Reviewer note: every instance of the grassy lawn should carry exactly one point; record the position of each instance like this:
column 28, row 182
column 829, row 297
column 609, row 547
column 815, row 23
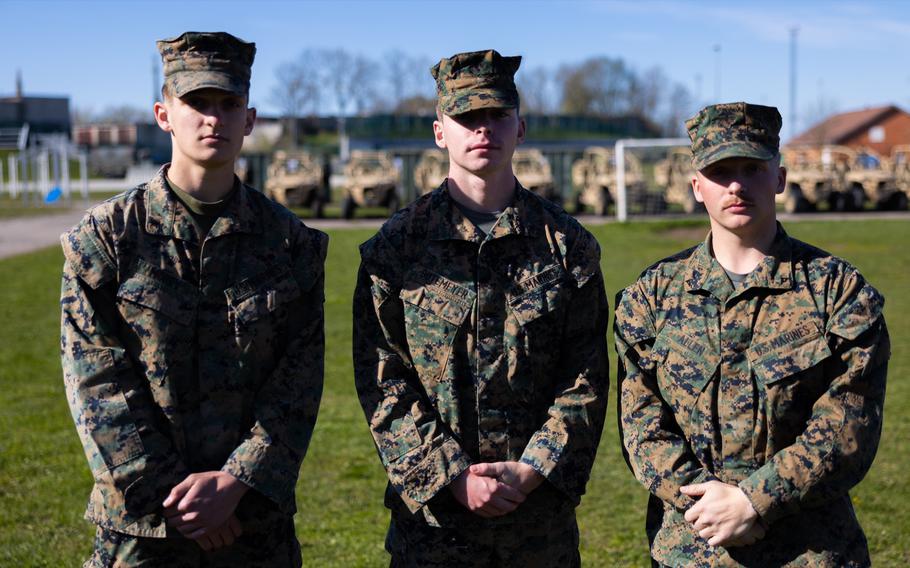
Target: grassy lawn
column 44, row 479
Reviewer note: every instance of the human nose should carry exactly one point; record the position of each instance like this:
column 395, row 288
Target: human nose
column 213, row 115
column 735, row 187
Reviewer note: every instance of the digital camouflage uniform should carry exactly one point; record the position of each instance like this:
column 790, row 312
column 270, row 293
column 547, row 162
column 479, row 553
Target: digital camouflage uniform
column 473, row 347
column 777, row 387
column 185, row 353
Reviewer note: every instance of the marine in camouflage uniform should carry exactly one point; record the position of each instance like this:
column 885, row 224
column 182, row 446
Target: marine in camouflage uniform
column 774, row 385
column 193, row 343
column 475, row 346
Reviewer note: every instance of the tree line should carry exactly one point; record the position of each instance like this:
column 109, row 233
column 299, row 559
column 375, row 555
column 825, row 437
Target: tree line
column 335, row 81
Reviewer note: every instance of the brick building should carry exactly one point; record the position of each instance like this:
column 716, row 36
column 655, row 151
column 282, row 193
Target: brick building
column 879, row 129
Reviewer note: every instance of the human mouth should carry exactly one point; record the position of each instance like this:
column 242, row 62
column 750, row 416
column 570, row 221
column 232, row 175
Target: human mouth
column 483, row 146
column 214, row 138
column 738, row 206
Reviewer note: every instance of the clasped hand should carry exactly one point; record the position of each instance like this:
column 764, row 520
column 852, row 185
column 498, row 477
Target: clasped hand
column 723, row 515
column 495, row 489
column 201, row 507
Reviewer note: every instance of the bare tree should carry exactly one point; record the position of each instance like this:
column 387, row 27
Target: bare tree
column 647, row 91
column 407, row 81
column 597, row 86
column 536, row 87
column 678, row 108
column 298, row 88
column 363, row 84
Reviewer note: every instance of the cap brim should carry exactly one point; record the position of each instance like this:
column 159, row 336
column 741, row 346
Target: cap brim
column 733, row 149
column 477, row 99
column 187, row 82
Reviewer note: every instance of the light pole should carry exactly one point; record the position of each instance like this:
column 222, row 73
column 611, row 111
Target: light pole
column 716, row 72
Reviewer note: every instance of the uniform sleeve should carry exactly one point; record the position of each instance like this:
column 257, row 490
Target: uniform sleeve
column 564, row 448
column 269, row 457
column 654, row 446
column 419, row 453
column 840, row 439
column 111, row 405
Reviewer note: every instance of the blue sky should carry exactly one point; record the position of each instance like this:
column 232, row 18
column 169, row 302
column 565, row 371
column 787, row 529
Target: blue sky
column 851, row 55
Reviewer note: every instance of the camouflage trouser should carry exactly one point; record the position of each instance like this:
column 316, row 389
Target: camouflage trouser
column 274, row 545
column 553, row 541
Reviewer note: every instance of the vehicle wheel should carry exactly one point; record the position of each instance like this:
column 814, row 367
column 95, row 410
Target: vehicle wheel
column 579, row 207
column 347, row 207
column 837, row 201
column 317, row 207
column 855, row 198
column 393, row 203
column 793, row 201
column 899, row 201
column 603, row 204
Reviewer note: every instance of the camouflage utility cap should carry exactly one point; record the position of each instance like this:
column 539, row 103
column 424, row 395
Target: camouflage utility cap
column 476, row 79
column 734, row 130
column 206, row 60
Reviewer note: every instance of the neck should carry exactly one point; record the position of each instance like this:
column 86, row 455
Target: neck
column 205, row 184
column 741, row 253
column 482, row 193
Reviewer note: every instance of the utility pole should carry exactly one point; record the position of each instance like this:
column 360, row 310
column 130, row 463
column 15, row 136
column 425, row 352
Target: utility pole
column 716, row 73
column 794, row 31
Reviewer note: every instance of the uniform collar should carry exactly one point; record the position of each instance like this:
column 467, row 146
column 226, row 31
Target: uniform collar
column 775, row 271
column 448, row 222
column 167, row 217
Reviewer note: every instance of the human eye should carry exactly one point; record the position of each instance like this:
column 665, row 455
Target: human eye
column 716, row 171
column 233, row 103
column 195, row 102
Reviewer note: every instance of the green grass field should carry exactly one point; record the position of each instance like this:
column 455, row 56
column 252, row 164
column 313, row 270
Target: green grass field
column 44, row 479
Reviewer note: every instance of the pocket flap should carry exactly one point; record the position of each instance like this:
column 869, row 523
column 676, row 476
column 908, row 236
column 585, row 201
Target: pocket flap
column 443, row 306
column 547, row 297
column 689, row 360
column 788, row 353
column 261, row 295
column 151, row 288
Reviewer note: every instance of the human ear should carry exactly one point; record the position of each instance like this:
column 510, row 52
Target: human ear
column 161, row 116
column 250, row 121
column 696, row 190
column 438, row 134
column 781, row 179
column 522, row 127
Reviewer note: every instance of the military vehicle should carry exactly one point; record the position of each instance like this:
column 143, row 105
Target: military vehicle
column 371, row 180
column 810, row 181
column 900, row 167
column 861, row 177
column 674, row 173
column 594, row 174
column 294, row 179
column 533, row 172
column 431, row 170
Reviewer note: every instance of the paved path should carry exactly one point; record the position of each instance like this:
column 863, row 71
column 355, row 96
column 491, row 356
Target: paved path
column 27, row 234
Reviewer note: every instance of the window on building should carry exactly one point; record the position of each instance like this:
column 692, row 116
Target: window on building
column 877, row 134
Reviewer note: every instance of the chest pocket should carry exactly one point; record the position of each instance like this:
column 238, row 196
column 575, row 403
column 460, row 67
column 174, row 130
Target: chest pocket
column 685, row 365
column 533, row 339
column 266, row 295
column 150, row 298
column 789, row 369
column 435, row 308
column 542, row 294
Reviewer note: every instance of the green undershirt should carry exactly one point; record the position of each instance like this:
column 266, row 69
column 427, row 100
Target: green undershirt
column 203, row 213
column 483, row 220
